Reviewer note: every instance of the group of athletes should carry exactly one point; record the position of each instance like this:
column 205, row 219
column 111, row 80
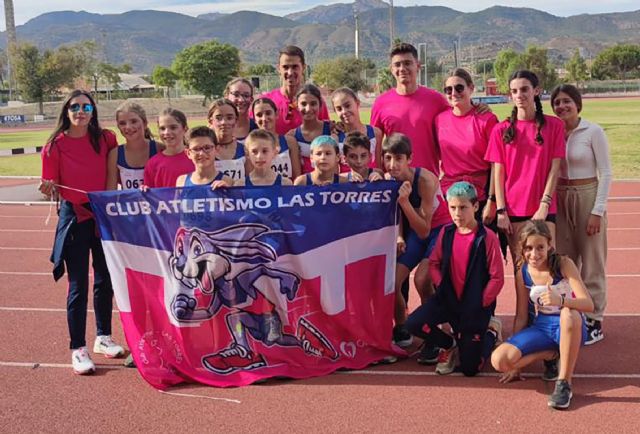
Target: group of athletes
column 470, row 186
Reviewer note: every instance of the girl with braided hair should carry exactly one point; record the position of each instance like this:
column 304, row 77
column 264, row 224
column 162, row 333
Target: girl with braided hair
column 527, row 149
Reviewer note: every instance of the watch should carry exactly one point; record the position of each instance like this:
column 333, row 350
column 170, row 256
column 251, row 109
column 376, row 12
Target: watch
column 501, row 211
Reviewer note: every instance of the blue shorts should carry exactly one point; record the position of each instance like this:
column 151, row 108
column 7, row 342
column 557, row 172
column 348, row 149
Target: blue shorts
column 542, row 335
column 417, row 248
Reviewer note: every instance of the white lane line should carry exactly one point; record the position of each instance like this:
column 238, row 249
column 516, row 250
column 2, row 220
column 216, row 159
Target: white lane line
column 623, row 213
column 606, row 315
column 40, row 309
column 26, row 248
column 623, row 229
column 482, row 374
column 510, row 276
column 35, row 365
column 44, row 217
column 24, row 273
column 188, row 395
column 27, row 230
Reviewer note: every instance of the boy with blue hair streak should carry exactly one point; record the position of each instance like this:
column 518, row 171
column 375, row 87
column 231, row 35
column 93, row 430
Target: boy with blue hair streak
column 467, row 271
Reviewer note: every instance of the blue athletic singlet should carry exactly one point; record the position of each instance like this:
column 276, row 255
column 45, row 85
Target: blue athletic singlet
column 281, row 164
column 371, row 134
column 233, row 168
column 336, row 179
column 132, row 177
column 248, row 183
column 252, row 126
column 189, row 183
column 305, row 146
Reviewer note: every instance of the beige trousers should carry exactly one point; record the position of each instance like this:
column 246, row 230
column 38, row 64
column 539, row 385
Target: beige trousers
column 588, row 252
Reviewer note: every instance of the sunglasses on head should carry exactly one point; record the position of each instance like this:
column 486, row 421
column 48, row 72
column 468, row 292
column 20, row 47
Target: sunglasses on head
column 75, row 108
column 459, row 88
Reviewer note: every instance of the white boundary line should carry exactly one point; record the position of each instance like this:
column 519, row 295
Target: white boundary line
column 38, row 273
column 62, row 310
column 27, row 230
column 35, row 365
column 482, row 374
column 213, row 398
column 41, row 309
column 37, row 248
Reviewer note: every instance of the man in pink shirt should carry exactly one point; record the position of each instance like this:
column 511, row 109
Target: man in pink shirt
column 410, row 109
column 291, row 68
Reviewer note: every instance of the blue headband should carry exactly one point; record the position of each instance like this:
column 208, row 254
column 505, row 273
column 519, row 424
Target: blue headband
column 323, row 141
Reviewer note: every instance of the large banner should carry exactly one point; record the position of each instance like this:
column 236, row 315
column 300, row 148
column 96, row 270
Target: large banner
column 231, row 286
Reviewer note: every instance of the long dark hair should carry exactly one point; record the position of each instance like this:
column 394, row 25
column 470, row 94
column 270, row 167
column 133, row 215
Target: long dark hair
column 539, row 227
column 510, row 133
column 63, row 124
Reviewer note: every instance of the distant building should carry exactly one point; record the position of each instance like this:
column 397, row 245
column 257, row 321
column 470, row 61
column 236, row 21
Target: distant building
column 132, row 83
column 491, row 87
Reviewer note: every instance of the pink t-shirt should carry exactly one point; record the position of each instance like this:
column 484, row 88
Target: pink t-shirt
column 163, row 171
column 73, row 162
column 527, row 163
column 441, row 214
column 413, row 115
column 460, row 255
column 463, row 142
column 289, row 119
column 461, row 247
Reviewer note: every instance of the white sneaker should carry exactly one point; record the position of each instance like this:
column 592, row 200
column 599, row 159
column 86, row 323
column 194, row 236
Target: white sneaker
column 105, row 345
column 81, row 362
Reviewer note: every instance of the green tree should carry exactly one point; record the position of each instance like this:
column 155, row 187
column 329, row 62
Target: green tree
column 164, row 77
column 385, row 79
column 484, row 67
column 618, row 62
column 343, row 71
column 207, row 67
column 261, row 69
column 536, row 60
column 577, row 70
column 506, row 62
column 40, row 75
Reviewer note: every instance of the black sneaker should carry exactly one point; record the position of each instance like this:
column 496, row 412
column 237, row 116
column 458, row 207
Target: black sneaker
column 428, row 355
column 401, row 336
column 550, row 369
column 561, row 396
column 594, row 332
column 129, row 363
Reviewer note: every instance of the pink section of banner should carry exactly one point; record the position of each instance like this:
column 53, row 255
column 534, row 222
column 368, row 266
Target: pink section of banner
column 240, row 345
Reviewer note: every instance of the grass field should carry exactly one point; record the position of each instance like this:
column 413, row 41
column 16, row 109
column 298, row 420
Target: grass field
column 620, row 118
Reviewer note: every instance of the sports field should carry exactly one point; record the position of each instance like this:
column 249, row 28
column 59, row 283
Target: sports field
column 619, row 117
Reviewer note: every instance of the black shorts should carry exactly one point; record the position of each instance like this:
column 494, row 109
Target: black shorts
column 517, row 219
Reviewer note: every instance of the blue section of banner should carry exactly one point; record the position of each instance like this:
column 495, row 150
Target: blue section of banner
column 309, row 216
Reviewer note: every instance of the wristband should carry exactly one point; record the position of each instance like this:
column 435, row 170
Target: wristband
column 562, row 300
column 501, row 211
column 492, row 198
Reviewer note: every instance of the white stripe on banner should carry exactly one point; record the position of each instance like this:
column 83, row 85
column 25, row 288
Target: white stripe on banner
column 319, row 262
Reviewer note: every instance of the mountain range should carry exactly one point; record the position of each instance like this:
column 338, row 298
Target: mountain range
column 148, row 38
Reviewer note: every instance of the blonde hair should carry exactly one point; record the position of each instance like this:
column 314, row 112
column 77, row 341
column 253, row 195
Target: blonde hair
column 133, row 107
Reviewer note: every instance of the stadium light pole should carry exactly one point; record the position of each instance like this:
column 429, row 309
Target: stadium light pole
column 391, row 24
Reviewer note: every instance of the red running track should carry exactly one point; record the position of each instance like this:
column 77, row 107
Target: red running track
column 39, row 393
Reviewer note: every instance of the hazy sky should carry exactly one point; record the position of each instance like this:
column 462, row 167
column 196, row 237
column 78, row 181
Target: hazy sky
column 27, row 9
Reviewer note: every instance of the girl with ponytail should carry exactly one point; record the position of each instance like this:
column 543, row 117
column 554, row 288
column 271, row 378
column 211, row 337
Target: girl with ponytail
column 127, row 161
column 526, row 150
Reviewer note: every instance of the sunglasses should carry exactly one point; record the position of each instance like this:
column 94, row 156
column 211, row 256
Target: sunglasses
column 203, row 149
column 75, row 108
column 459, row 88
